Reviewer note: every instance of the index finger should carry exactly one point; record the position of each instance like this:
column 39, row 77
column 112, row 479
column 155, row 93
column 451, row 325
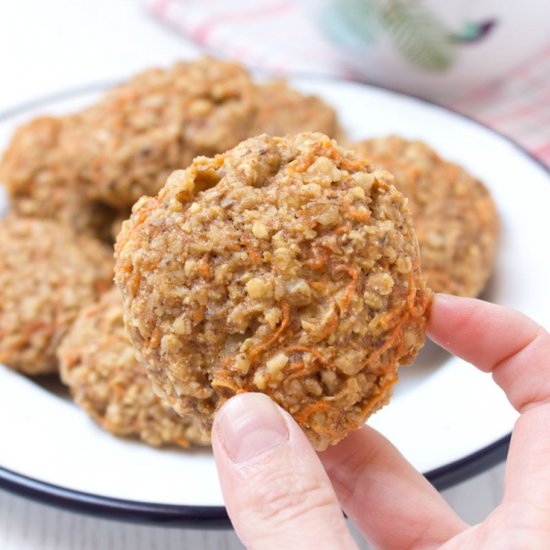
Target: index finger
column 517, row 352
column 499, row 340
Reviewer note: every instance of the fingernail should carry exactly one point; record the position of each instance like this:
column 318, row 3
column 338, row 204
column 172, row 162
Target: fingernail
column 250, row 425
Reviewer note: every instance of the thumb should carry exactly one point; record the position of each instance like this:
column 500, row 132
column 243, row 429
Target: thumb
column 276, row 490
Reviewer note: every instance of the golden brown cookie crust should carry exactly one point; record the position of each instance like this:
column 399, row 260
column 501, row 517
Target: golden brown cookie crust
column 128, row 143
column 455, row 217
column 87, row 168
column 47, row 275
column 40, row 184
column 281, row 110
column 286, row 266
column 98, row 363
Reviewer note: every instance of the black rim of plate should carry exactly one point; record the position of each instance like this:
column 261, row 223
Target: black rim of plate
column 213, row 517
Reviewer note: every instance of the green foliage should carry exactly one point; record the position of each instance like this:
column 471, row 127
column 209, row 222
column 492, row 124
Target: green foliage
column 418, row 35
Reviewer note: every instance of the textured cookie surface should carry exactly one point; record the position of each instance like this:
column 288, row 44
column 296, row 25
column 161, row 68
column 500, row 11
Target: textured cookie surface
column 280, row 110
column 455, row 217
column 285, row 266
column 98, row 363
column 126, row 145
column 37, row 175
column 47, row 275
column 88, row 168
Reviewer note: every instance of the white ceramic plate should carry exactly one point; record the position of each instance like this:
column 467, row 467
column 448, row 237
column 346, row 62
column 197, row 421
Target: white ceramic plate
column 448, row 419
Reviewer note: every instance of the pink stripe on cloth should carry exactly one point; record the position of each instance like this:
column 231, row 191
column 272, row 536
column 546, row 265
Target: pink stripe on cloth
column 277, row 36
column 523, row 111
column 202, row 32
column 543, row 152
column 159, row 6
column 518, row 105
column 268, row 34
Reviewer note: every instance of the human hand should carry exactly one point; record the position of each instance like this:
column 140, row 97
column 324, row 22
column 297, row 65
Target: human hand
column 280, row 494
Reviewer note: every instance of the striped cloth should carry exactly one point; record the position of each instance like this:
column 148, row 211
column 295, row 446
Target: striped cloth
column 276, row 35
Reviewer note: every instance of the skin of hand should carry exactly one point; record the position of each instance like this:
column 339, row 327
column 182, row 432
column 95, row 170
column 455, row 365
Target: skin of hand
column 279, row 493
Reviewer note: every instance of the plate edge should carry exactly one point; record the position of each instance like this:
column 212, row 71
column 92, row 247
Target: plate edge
column 209, row 517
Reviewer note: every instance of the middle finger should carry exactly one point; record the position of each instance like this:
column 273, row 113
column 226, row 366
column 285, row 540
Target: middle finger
column 392, row 504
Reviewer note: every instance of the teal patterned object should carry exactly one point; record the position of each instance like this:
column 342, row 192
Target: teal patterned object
column 415, row 31
column 358, row 16
column 419, row 35
column 474, row 32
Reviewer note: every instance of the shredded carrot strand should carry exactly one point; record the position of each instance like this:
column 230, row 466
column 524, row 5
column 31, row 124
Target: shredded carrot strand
column 354, row 274
column 317, row 285
column 220, row 381
column 346, row 164
column 299, row 371
column 181, row 442
column 301, row 374
column 355, row 214
column 224, row 384
column 320, row 258
column 411, row 297
column 134, row 282
column 256, row 350
column 360, row 215
column 342, row 229
column 327, row 149
column 154, row 342
column 382, row 394
column 204, row 268
column 304, row 414
column 198, row 315
column 306, row 349
column 396, row 335
column 253, row 254
column 228, row 360
column 296, row 366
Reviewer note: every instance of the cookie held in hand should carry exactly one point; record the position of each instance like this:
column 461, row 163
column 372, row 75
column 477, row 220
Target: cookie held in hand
column 286, row 266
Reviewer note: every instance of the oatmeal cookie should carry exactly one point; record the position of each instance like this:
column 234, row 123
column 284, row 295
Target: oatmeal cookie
column 455, row 217
column 281, row 110
column 285, row 266
column 38, row 181
column 47, row 274
column 128, row 143
column 83, row 168
column 98, row 363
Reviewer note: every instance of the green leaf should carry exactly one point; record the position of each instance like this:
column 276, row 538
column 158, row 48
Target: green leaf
column 418, row 34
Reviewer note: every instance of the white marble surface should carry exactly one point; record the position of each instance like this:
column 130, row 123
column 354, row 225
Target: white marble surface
column 55, row 45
